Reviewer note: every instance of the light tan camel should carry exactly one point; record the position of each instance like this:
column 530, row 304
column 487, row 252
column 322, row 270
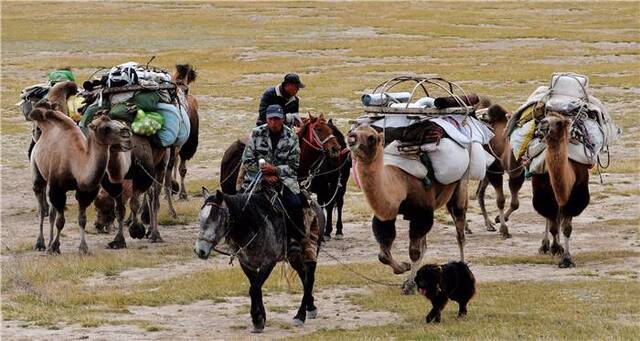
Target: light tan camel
column 63, row 160
column 563, row 192
column 390, row 191
column 505, row 162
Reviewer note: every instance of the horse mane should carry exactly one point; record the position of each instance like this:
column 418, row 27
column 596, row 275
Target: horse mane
column 252, row 216
column 338, row 134
column 306, row 122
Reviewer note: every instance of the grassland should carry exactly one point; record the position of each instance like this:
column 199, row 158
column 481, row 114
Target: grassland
column 502, row 49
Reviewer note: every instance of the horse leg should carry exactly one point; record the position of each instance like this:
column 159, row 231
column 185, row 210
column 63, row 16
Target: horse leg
column 182, row 168
column 306, row 272
column 84, row 200
column 515, row 183
column 565, row 259
column 58, row 199
column 385, row 233
column 457, row 207
column 482, row 187
column 40, row 190
column 339, row 204
column 328, row 228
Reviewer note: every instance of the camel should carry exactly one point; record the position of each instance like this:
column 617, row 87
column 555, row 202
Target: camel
column 563, row 192
column 184, row 75
column 63, row 159
column 390, row 191
column 505, row 162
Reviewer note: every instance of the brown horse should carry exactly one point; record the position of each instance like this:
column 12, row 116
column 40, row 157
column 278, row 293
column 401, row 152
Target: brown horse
column 316, row 141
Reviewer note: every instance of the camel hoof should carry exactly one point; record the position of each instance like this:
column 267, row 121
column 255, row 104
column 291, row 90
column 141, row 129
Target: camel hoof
column 312, row 314
column 173, row 215
column 409, row 287
column 339, row 236
column 491, row 228
column 467, row 230
column 54, row 249
column 505, row 234
column 183, row 196
column 298, row 322
column 566, row 262
column 258, row 327
column 84, row 249
column 556, row 249
column 257, row 330
column 40, row 245
column 117, row 244
column 544, row 248
column 154, row 237
column 404, row 267
column 136, row 230
column 497, row 220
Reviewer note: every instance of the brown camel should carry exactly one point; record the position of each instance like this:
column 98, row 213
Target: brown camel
column 106, row 205
column 146, row 164
column 390, row 191
column 63, row 159
column 184, row 74
column 505, row 162
column 563, row 192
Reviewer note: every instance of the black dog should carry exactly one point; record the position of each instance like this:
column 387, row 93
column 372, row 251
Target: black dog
column 440, row 283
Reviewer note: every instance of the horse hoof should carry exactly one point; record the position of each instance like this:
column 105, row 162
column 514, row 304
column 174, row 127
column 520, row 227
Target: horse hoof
column 505, row 235
column 468, row 230
column 183, row 196
column 298, row 322
column 490, row 228
column 339, row 236
column 566, row 262
column 556, row 249
column 497, row 220
column 312, row 314
column 40, row 245
column 257, row 330
column 136, row 231
column 326, row 237
column 117, row 244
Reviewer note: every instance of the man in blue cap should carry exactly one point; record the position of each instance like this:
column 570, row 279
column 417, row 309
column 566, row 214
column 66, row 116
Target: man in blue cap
column 278, row 146
column 284, row 95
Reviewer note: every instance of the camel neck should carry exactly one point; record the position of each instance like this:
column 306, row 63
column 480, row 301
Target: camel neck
column 561, row 173
column 376, row 180
column 97, row 158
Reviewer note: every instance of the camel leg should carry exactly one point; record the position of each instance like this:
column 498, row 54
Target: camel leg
column 40, row 189
column 385, row 233
column 482, row 187
column 544, row 248
column 136, row 229
column 556, row 248
column 515, row 183
column 168, row 190
column 58, row 199
column 457, row 207
column 182, row 168
column 496, row 182
column 154, row 203
column 565, row 259
column 84, row 200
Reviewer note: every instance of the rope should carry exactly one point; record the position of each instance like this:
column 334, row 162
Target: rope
column 375, row 281
column 230, row 174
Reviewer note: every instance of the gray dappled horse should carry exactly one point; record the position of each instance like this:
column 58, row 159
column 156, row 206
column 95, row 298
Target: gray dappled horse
column 256, row 232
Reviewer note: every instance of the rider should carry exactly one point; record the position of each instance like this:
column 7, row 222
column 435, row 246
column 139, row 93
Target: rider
column 284, row 95
column 278, row 145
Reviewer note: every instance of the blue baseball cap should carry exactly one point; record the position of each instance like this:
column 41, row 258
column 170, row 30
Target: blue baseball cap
column 275, row 110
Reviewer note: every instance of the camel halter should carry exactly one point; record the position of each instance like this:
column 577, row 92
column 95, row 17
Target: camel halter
column 314, row 141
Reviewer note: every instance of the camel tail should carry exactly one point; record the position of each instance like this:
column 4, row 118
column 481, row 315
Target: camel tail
column 186, row 73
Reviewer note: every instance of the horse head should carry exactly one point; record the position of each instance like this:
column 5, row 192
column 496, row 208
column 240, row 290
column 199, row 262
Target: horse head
column 214, row 223
column 317, row 134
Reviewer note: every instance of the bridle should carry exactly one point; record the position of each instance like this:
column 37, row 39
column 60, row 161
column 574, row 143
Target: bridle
column 227, row 223
column 314, row 141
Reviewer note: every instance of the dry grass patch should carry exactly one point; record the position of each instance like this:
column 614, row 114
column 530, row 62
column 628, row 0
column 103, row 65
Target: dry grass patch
column 578, row 257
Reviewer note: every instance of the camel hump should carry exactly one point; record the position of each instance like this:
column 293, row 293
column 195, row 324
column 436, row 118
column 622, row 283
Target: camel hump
column 496, row 113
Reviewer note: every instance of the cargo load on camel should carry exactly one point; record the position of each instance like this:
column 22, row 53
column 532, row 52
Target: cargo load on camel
column 431, row 138
column 592, row 129
column 146, row 97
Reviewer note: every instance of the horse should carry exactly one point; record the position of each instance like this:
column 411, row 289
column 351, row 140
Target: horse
column 256, row 232
column 323, row 161
column 326, row 176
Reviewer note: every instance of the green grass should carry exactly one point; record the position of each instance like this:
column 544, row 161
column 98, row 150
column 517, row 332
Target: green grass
column 576, row 310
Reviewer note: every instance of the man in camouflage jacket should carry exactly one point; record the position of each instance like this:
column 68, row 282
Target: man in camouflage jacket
column 278, row 145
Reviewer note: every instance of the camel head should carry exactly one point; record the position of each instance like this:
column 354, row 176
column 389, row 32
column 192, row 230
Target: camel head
column 365, row 143
column 555, row 127
column 111, row 132
column 214, row 223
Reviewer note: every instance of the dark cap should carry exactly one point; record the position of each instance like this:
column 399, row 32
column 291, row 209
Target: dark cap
column 275, row 110
column 293, row 79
